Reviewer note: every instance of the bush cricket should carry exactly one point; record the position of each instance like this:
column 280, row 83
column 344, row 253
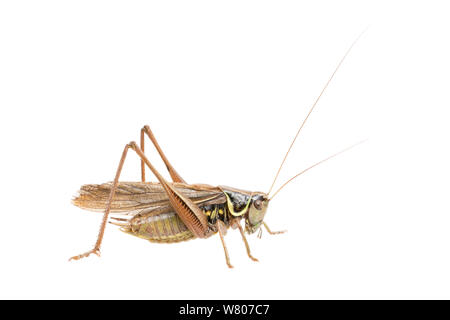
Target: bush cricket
column 175, row 211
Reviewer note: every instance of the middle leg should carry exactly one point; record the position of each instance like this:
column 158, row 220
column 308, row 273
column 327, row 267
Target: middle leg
column 247, row 247
column 222, row 230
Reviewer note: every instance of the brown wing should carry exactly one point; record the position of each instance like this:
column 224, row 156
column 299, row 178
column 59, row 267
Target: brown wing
column 133, row 197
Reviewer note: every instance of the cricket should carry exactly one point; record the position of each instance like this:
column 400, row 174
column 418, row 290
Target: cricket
column 175, row 211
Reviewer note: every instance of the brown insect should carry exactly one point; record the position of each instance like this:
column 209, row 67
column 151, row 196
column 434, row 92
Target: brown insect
column 175, row 211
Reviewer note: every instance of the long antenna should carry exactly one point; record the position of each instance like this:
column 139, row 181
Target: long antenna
column 316, row 164
column 312, row 108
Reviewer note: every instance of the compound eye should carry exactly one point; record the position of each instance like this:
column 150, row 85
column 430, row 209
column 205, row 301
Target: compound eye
column 258, row 204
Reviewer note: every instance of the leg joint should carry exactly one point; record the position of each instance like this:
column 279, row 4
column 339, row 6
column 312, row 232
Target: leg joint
column 132, row 145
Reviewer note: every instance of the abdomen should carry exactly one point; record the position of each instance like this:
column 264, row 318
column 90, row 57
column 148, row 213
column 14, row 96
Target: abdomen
column 161, row 228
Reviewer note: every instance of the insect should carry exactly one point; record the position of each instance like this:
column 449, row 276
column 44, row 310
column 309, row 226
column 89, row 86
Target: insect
column 175, row 211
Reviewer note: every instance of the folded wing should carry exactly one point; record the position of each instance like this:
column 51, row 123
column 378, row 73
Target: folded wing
column 134, row 197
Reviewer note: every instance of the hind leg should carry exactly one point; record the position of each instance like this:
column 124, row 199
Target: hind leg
column 191, row 215
column 173, row 173
column 96, row 249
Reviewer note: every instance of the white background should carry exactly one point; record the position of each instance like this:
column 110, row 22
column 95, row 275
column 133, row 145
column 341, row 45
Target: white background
column 224, row 86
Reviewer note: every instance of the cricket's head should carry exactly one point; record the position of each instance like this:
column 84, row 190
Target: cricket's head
column 256, row 212
column 250, row 206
